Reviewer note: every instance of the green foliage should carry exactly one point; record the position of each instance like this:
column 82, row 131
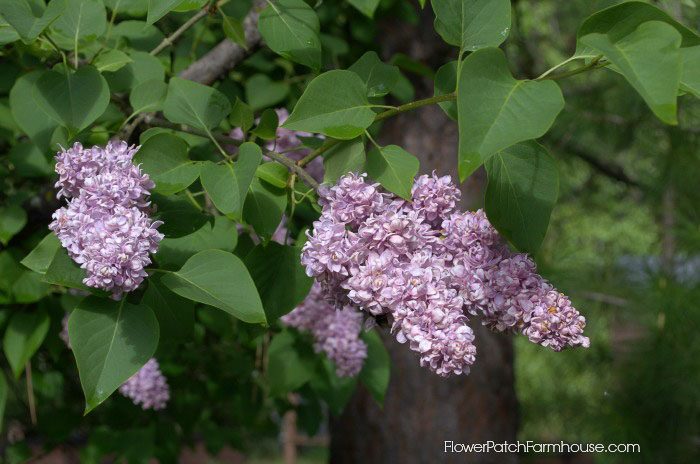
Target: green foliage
column 235, row 218
column 472, row 24
column 523, row 184
column 394, row 168
column 24, row 334
column 334, row 104
column 497, row 111
column 281, row 280
column 111, row 340
column 291, row 28
column 219, row 279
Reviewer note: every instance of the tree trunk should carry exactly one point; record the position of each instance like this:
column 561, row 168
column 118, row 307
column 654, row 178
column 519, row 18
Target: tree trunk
column 422, row 410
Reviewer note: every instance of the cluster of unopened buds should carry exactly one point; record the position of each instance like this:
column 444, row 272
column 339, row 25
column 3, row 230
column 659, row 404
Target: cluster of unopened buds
column 147, row 388
column 426, row 267
column 105, row 226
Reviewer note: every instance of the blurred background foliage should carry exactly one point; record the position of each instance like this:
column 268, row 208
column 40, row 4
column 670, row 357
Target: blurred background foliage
column 623, row 243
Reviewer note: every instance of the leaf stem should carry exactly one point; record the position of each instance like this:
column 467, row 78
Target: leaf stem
column 594, row 64
column 295, row 168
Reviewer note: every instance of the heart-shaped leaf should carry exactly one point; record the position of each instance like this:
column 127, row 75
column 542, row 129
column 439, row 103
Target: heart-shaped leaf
column 195, row 104
column 24, row 335
column 335, row 104
column 497, row 111
column 73, row 99
column 523, row 184
column 111, row 341
column 394, row 168
column 164, row 158
column 219, row 279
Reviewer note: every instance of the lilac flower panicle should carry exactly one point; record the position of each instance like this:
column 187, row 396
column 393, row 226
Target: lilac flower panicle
column 336, row 332
column 429, row 267
column 147, row 388
column 105, row 227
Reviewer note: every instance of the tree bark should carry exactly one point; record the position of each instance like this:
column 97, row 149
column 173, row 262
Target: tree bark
column 422, row 410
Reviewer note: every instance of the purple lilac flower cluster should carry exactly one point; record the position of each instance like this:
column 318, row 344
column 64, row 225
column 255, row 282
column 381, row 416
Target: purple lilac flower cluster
column 105, row 227
column 147, row 388
column 428, row 266
column 336, row 332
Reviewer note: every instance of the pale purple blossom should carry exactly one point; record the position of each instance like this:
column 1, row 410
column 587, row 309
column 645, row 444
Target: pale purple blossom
column 427, row 267
column 336, row 331
column 105, row 227
column 147, row 388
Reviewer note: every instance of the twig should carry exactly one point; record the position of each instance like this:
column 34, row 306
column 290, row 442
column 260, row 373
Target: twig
column 226, row 54
column 169, row 40
column 295, row 168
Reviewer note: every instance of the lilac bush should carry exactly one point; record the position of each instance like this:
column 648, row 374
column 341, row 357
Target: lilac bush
column 429, row 268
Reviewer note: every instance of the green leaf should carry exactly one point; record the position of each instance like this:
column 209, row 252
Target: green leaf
column 12, row 220
column 377, row 368
column 264, row 207
column 261, row 91
column 219, row 279
column 175, row 314
column 249, row 157
column 472, row 24
column 29, row 288
column 174, row 252
column 690, row 78
column 143, row 68
column 148, row 96
column 8, row 34
column 82, row 19
column 36, row 124
column 111, row 60
column 497, row 111
column 621, row 20
column 233, row 29
column 335, row 391
column 650, row 59
column 289, row 365
column 379, row 77
column 29, row 161
column 111, row 341
column 74, row 99
column 273, row 173
column 446, row 82
column 267, row 127
column 394, row 168
column 195, row 104
column 290, row 28
column 164, row 158
column 523, row 185
column 221, row 184
column 30, row 18
column 40, row 258
column 366, row 7
column 159, row 8
column 241, row 115
column 343, row 158
column 335, row 104
column 279, row 276
column 63, row 271
column 179, row 215
column 23, row 336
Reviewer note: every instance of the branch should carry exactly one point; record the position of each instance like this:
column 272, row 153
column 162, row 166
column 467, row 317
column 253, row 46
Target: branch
column 224, row 56
column 612, row 171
